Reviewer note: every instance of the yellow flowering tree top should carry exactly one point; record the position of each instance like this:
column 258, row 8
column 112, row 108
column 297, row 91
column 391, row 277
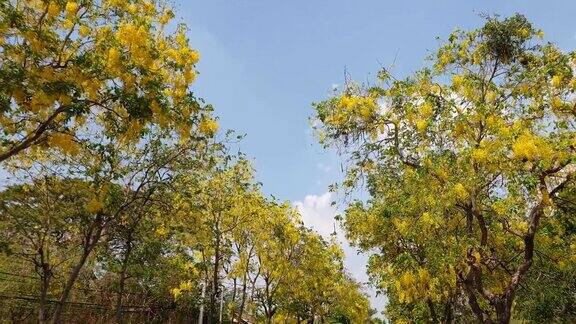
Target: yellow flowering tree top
column 69, row 68
column 464, row 160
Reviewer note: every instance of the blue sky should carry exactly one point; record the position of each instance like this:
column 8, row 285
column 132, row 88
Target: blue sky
column 263, row 63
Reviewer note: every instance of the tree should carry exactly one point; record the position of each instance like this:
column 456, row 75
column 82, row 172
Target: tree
column 114, row 193
column 52, row 224
column 211, row 205
column 551, row 286
column 73, row 69
column 463, row 161
column 277, row 253
column 253, row 258
column 122, row 201
column 150, row 236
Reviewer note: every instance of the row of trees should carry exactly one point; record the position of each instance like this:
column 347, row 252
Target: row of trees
column 470, row 166
column 167, row 232
column 118, row 203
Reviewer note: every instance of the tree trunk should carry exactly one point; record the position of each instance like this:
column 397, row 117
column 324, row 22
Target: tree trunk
column 448, row 312
column 201, row 313
column 245, row 284
column 122, row 280
column 221, row 308
column 42, row 310
column 215, row 278
column 68, row 288
column 45, row 275
column 92, row 238
column 269, row 316
column 504, row 310
column 433, row 316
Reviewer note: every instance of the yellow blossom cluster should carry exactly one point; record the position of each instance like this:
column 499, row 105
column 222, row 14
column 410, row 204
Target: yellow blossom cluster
column 100, row 59
column 479, row 155
column 528, row 146
column 94, row 205
column 184, row 286
column 65, row 142
column 414, row 285
column 460, row 191
column 351, row 108
column 208, row 126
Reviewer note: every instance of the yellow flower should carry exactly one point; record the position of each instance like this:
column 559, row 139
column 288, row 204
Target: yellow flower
column 477, row 256
column 71, row 8
column 518, row 225
column 186, row 285
column 113, row 57
column 161, row 231
column 556, row 81
column 208, row 126
column 189, row 75
column 460, row 191
column 53, row 9
column 117, row 3
column 166, row 17
column 132, row 8
column 181, row 39
column 445, row 59
column 149, row 7
column 556, row 103
column 65, row 142
column 194, row 57
column 426, row 110
column 427, row 219
column 40, row 101
column 524, row 32
column 457, row 81
column 423, row 275
column 176, row 292
column 401, row 226
column 421, row 125
column 94, row 205
column 526, row 147
column 84, row 31
column 67, row 24
column 469, row 92
column 479, row 155
column 490, row 96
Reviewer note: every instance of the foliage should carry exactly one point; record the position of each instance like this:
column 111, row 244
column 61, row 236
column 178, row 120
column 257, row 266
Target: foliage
column 464, row 162
column 72, row 69
column 122, row 205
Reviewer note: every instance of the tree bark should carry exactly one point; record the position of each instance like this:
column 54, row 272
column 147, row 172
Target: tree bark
column 45, row 275
column 220, row 309
column 68, row 288
column 245, row 283
column 201, row 313
column 32, row 138
column 215, row 278
column 92, row 238
column 447, row 318
column 433, row 316
column 122, row 280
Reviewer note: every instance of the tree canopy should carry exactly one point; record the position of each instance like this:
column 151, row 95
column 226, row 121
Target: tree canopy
column 465, row 162
column 123, row 201
column 124, row 204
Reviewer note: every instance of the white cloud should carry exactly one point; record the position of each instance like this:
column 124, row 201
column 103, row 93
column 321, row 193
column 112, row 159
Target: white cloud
column 318, row 213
